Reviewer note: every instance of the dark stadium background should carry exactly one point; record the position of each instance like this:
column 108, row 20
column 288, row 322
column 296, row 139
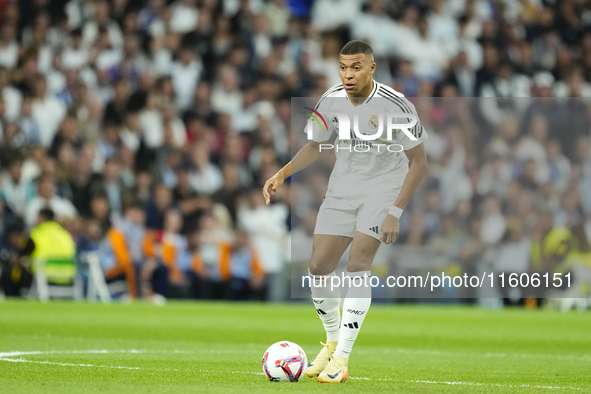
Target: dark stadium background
column 184, row 106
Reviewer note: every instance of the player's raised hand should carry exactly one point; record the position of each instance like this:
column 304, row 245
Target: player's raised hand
column 390, row 229
column 271, row 187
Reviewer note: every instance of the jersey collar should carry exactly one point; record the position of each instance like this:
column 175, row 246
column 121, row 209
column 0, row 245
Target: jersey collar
column 373, row 92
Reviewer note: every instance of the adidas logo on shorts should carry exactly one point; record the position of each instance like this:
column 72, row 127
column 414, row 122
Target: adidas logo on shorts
column 374, row 229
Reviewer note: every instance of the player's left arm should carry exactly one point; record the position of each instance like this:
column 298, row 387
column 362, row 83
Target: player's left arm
column 418, row 168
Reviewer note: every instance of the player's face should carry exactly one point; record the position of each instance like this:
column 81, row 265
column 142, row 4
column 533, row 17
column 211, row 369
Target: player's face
column 356, row 72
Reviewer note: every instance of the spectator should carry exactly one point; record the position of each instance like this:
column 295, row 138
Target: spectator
column 4, row 215
column 192, row 205
column 34, row 163
column 104, row 55
column 78, row 186
column 167, row 168
column 226, row 96
column 110, row 184
column 11, row 96
column 301, row 239
column 68, row 135
column 330, row 15
column 197, row 272
column 278, row 16
column 174, row 254
column 558, row 166
column 130, row 255
column 47, row 198
column 131, row 132
column 49, row 240
column 513, row 257
column 474, row 247
column 578, row 262
column 100, row 19
column 376, row 27
column 27, row 122
column 185, row 75
column 550, row 244
column 15, row 275
column 493, row 221
column 115, row 109
column 207, row 177
column 232, row 268
column 230, row 192
column 100, row 211
column 8, row 45
column 91, row 242
column 173, row 129
column 427, row 57
column 75, row 54
column 151, row 18
column 246, row 271
column 143, row 186
column 157, row 207
column 569, row 214
column 443, row 28
column 532, row 145
column 210, row 262
column 16, row 190
column 266, row 225
column 48, row 112
column 109, row 144
column 184, row 16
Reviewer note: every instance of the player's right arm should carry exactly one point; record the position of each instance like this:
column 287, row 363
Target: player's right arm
column 306, row 156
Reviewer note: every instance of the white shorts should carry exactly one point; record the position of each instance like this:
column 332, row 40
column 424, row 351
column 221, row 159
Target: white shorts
column 347, row 215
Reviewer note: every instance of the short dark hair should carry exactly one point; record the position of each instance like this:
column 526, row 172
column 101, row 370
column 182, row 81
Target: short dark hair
column 357, row 46
column 134, row 204
column 14, row 158
column 47, row 214
column 99, row 195
column 14, row 225
column 45, row 176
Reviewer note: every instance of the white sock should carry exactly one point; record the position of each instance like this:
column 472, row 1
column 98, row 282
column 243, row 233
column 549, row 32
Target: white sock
column 355, row 307
column 326, row 303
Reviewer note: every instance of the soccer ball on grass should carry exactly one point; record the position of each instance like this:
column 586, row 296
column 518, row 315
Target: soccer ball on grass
column 284, row 362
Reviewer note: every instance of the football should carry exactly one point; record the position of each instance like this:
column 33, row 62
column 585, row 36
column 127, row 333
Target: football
column 284, row 362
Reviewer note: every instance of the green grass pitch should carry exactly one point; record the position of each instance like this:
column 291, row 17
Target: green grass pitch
column 64, row 347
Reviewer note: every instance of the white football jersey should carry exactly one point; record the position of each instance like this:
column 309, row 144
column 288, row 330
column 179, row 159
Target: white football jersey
column 367, row 167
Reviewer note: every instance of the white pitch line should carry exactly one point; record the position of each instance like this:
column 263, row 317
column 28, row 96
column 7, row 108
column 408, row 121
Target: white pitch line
column 372, row 350
column 91, row 351
column 583, row 357
column 22, row 360
column 6, row 356
column 460, row 383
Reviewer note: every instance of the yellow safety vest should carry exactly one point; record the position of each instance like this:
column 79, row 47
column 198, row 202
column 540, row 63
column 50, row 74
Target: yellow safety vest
column 559, row 242
column 52, row 241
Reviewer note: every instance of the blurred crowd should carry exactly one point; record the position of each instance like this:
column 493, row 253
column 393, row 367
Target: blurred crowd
column 148, row 128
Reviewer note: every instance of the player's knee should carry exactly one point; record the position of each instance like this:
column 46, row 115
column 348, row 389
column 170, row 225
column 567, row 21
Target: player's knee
column 362, row 257
column 317, row 268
